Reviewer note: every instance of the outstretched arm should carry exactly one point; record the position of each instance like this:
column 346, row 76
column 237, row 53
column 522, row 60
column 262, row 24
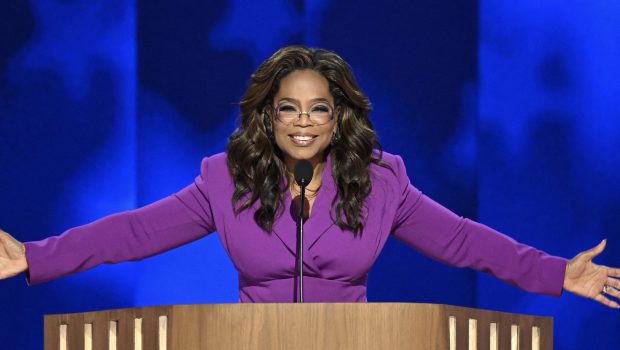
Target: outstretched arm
column 12, row 256
column 435, row 231
column 589, row 280
column 127, row 236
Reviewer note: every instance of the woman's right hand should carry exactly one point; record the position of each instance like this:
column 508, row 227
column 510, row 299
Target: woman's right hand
column 12, row 256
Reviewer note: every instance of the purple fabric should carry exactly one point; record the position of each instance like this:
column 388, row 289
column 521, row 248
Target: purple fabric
column 336, row 263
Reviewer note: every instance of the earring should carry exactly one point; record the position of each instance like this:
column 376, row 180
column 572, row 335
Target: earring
column 336, row 137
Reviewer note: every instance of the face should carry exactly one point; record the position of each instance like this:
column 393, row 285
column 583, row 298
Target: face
column 306, row 91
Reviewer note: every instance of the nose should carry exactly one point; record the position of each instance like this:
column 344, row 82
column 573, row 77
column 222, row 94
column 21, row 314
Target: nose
column 303, row 120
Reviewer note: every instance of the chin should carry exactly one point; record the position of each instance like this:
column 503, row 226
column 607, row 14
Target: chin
column 308, row 154
column 304, row 154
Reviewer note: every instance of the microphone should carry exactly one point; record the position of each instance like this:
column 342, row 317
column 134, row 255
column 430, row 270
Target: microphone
column 303, row 175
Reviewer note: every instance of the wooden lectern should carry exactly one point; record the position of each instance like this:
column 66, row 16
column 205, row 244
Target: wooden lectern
column 370, row 326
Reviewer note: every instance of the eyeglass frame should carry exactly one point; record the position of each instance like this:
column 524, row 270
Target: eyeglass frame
column 276, row 113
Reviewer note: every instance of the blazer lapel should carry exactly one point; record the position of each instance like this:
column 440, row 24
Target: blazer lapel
column 320, row 219
column 285, row 228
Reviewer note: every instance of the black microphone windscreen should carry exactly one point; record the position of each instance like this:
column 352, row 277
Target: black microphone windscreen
column 303, row 172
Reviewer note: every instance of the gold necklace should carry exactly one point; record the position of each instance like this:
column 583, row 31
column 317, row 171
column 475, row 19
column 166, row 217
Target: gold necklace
column 310, row 193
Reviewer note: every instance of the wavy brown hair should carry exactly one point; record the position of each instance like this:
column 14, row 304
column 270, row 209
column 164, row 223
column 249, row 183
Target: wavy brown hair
column 255, row 162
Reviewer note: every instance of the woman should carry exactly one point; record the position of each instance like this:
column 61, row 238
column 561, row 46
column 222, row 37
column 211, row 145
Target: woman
column 305, row 104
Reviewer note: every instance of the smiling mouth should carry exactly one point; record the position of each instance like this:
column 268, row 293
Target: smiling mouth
column 302, row 140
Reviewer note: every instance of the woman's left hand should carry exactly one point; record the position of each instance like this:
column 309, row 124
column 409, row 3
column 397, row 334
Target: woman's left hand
column 587, row 279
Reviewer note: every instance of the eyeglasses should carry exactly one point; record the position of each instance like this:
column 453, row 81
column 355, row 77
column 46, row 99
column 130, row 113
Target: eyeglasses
column 319, row 114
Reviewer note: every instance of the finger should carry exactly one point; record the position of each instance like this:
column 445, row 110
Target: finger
column 613, row 272
column 613, row 282
column 613, row 292
column 592, row 253
column 603, row 300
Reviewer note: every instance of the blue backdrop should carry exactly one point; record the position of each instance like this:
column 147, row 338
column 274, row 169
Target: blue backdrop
column 506, row 113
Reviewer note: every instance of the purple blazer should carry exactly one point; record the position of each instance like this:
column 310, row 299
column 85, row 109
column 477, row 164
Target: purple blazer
column 336, row 263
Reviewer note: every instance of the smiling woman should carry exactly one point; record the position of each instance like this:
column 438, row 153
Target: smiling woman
column 304, row 103
column 306, row 85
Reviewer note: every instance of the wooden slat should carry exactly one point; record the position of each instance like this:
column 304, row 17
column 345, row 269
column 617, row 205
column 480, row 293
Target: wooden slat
column 163, row 333
column 535, row 338
column 494, row 336
column 452, row 332
column 113, row 334
column 88, row 336
column 514, row 337
column 137, row 333
column 473, row 334
column 63, row 335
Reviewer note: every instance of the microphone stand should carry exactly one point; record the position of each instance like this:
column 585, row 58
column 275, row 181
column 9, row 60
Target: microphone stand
column 303, row 176
column 300, row 245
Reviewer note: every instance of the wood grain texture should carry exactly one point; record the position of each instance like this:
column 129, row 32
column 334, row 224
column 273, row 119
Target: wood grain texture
column 299, row 326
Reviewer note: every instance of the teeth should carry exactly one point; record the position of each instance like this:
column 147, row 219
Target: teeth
column 303, row 138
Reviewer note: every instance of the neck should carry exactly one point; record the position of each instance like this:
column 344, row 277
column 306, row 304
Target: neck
column 317, row 176
column 316, row 162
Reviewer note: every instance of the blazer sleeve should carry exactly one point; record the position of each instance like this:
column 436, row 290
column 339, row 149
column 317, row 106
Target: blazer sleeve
column 127, row 236
column 438, row 233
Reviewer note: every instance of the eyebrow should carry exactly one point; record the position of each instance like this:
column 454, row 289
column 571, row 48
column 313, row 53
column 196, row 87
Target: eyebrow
column 316, row 99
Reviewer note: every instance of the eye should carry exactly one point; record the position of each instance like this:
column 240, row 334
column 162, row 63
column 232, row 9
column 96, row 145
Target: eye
column 287, row 108
column 320, row 108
